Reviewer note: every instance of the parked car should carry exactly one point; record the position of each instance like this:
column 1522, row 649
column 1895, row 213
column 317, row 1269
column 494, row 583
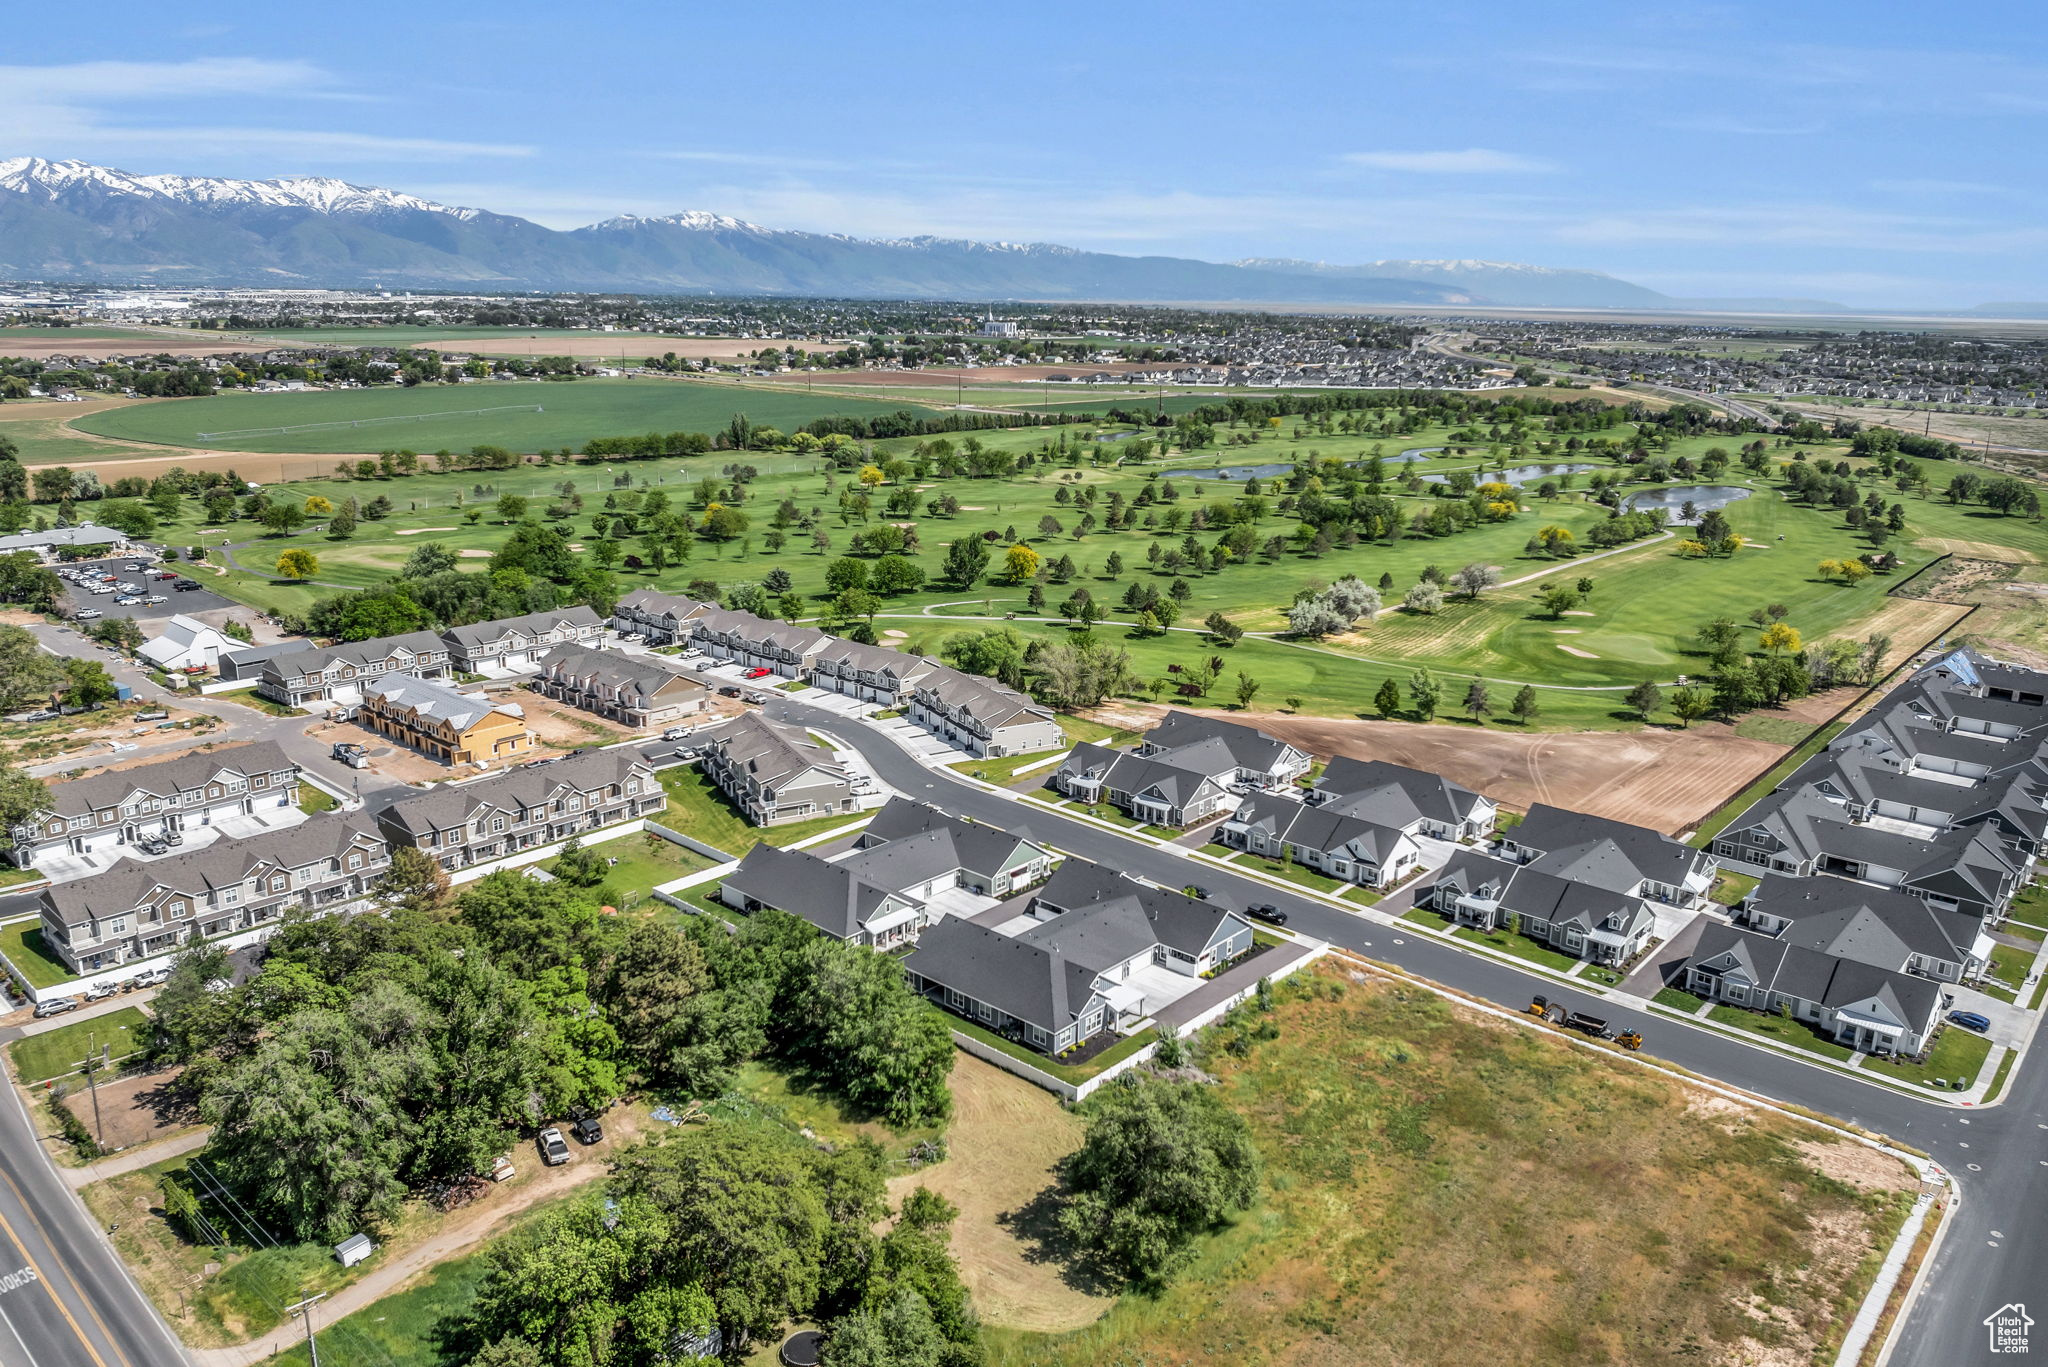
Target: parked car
column 554, row 1150
column 675, row 733
column 87, row 614
column 184, row 584
column 758, row 672
column 1267, row 912
column 41, row 714
column 156, row 598
column 56, row 1006
column 152, row 977
column 589, row 1129
column 126, row 600
column 729, row 691
column 1970, row 1020
column 166, row 575
column 101, row 991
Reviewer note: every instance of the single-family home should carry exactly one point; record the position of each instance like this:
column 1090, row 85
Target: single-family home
column 186, row 644
column 513, row 645
column 1261, row 760
column 137, row 910
column 439, row 720
column 775, row 773
column 541, row 803
column 636, row 690
column 102, row 812
column 1183, row 788
column 1366, row 822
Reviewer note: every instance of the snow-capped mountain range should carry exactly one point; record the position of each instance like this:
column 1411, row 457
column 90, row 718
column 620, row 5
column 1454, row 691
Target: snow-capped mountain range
column 70, row 220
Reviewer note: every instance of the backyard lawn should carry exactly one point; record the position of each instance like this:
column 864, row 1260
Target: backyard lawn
column 22, row 943
column 313, row 801
column 54, row 1053
column 2010, row 965
column 645, row 860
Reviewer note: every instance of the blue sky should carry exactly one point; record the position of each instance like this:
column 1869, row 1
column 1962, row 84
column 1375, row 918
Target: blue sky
column 1875, row 153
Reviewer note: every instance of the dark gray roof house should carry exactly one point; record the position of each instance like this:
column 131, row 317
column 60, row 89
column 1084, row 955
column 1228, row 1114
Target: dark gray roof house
column 1395, row 795
column 1583, row 918
column 1610, row 854
column 1257, row 757
column 1861, row 1005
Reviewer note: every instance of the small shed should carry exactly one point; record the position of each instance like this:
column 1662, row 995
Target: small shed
column 354, row 1249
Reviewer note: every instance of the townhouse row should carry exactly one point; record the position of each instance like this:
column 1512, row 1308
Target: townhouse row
column 139, row 909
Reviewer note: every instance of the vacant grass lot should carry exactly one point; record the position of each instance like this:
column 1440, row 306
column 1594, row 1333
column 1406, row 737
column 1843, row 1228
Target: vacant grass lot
column 572, row 414
column 697, row 808
column 1420, row 1200
column 644, row 862
column 55, row 1053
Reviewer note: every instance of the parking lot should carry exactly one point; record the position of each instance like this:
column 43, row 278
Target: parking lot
column 187, row 601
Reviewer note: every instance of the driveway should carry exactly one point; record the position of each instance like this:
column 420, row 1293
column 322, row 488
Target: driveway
column 66, row 867
column 1664, row 963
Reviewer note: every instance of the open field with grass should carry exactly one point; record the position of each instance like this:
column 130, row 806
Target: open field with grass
column 1412, row 1157
column 645, row 861
column 572, row 414
column 697, row 807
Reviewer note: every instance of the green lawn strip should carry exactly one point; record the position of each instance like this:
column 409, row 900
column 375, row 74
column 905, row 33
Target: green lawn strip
column 22, row 943
column 1292, row 873
column 1102, row 811
column 1065, row 1072
column 1776, row 774
column 1957, row 1054
column 2020, row 930
column 1793, row 1032
column 1362, row 895
column 1730, row 888
column 2040, row 993
column 313, row 801
column 1997, row 1087
column 1678, row 999
column 2031, row 907
column 13, row 878
column 37, row 1058
column 248, row 697
column 1521, row 946
column 2007, row 972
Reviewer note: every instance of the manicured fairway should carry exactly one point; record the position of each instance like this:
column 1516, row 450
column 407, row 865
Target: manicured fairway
column 430, row 417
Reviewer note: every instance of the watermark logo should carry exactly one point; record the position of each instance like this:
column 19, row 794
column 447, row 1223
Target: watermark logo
column 2008, row 1326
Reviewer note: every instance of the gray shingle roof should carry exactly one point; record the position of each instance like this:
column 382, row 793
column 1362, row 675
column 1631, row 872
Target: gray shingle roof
column 1393, row 794
column 529, row 625
column 1606, row 853
column 980, row 847
column 632, row 675
column 449, row 805
column 167, row 777
column 311, row 659
column 769, row 752
column 1248, row 747
column 429, row 698
column 1015, row 976
column 1800, row 971
column 1871, row 925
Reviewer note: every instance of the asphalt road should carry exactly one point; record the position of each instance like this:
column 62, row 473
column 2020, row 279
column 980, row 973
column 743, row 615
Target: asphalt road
column 1996, row 1249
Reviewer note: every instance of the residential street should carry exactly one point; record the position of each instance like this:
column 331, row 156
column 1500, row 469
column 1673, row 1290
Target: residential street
column 1998, row 1241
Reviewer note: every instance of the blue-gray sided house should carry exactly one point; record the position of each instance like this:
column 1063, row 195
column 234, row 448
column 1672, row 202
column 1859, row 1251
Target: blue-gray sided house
column 1095, row 952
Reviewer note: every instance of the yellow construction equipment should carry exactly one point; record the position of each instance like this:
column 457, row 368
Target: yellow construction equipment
column 1630, row 1039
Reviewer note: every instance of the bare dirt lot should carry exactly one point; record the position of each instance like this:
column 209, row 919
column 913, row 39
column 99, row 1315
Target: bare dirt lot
column 137, row 1109
column 1005, row 1138
column 1661, row 778
column 140, row 344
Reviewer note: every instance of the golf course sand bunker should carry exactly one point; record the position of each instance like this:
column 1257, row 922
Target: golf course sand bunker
column 417, row 531
column 1574, row 650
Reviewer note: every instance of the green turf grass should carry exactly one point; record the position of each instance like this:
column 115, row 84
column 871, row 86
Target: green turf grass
column 56, row 1053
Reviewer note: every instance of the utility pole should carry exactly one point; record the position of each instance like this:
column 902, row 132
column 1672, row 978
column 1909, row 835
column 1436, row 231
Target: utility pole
column 304, row 1308
column 90, row 1065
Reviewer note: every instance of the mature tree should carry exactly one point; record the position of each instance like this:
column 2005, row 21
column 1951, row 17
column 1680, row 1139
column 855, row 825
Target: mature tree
column 858, row 1022
column 415, row 878
column 1352, row 598
column 1779, row 638
column 966, row 559
column 283, row 518
column 1645, row 698
column 1387, row 701
column 297, row 563
column 28, row 673
column 680, row 1029
column 1478, row 700
column 1424, row 597
column 1475, row 579
column 342, row 524
column 1162, row 1163
column 1247, row 689
column 1524, row 707
column 427, row 559
column 21, row 797
column 1689, row 704
column 512, row 507
column 846, row 573
column 1020, row 563
column 1425, row 694
column 894, row 574
column 1558, row 599
column 87, row 683
column 1314, row 618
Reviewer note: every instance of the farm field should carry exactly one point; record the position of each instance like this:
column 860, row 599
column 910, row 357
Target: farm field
column 1411, row 1153
column 429, row 417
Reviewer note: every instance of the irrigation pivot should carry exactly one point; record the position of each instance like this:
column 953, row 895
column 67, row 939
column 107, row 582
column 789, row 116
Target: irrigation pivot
column 242, row 432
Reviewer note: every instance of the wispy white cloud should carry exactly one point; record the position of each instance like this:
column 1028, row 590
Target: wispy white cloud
column 1470, row 161
column 70, row 109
